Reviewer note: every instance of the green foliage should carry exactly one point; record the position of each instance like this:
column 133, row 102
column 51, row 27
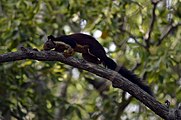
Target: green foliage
column 48, row 90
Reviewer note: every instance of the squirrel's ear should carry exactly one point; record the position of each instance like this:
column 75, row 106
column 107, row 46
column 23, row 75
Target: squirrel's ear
column 51, row 37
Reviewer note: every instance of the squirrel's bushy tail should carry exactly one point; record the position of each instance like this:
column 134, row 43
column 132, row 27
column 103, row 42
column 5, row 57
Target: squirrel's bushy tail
column 127, row 74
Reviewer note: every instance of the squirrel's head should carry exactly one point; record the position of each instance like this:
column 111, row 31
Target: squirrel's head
column 49, row 44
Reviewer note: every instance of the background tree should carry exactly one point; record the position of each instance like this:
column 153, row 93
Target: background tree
column 143, row 36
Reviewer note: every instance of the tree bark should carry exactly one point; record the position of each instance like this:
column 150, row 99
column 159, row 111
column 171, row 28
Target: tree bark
column 117, row 80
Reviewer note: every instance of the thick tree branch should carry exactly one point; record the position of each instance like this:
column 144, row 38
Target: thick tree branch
column 117, row 80
column 153, row 19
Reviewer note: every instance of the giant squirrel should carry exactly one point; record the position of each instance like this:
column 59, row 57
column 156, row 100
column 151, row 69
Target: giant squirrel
column 70, row 48
column 92, row 51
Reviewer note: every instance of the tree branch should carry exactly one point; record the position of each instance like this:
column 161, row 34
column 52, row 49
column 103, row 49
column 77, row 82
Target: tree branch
column 118, row 81
column 122, row 107
column 167, row 31
column 153, row 19
column 134, row 38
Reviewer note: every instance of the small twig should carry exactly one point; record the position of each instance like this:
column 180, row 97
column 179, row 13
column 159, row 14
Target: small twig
column 169, row 29
column 122, row 107
column 135, row 67
column 134, row 38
